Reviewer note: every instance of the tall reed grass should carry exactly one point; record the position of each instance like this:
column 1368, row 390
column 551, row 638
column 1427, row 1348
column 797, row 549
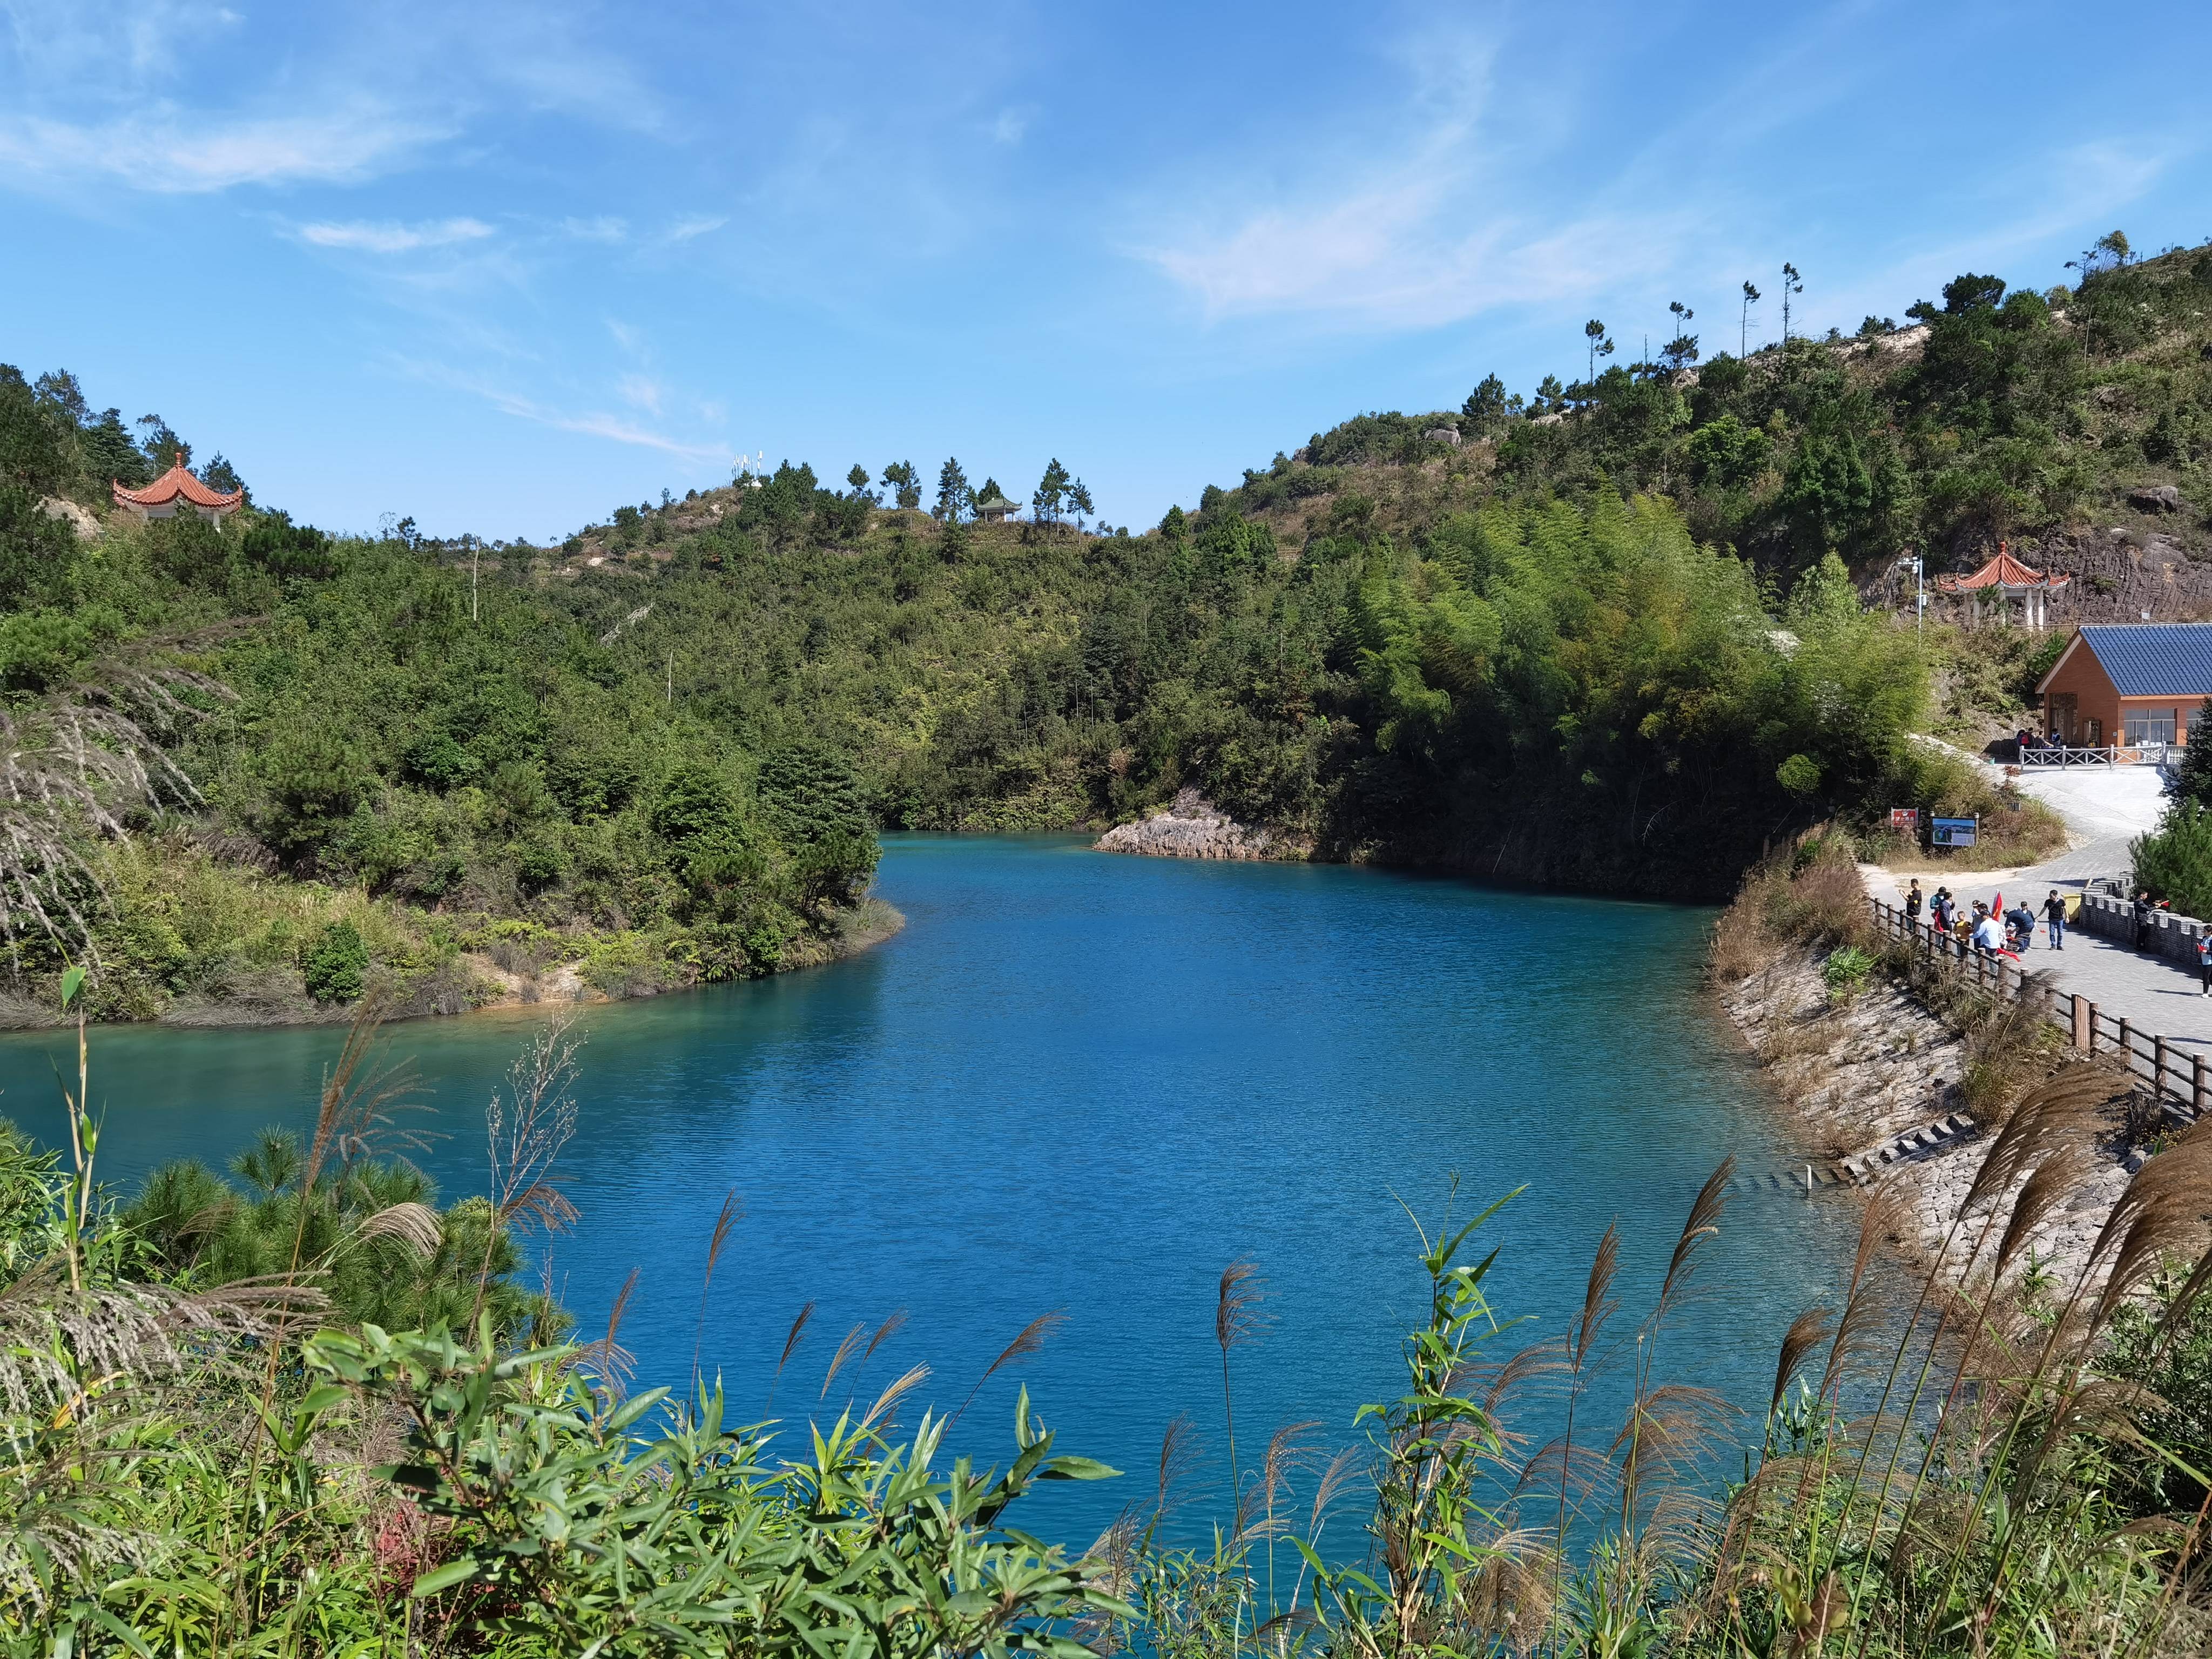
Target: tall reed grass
column 1952, row 1459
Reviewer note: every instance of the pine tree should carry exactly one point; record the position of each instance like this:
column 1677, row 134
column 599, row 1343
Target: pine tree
column 162, row 446
column 1485, row 404
column 1750, row 299
column 1790, row 284
column 1051, row 490
column 954, row 498
column 903, row 480
column 219, row 474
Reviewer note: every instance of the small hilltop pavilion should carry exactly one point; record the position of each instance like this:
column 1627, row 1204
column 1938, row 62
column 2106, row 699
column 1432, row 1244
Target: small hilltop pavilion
column 1997, row 584
column 995, row 508
column 173, row 491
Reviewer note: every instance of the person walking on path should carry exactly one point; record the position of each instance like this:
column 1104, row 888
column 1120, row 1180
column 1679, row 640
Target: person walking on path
column 2142, row 919
column 1940, row 908
column 2054, row 920
column 1913, row 902
column 2205, row 962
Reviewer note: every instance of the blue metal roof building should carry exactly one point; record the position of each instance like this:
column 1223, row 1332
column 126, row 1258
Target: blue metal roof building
column 2154, row 659
column 2132, row 684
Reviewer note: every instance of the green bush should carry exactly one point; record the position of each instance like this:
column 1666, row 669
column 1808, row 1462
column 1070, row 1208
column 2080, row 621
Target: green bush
column 2174, row 861
column 337, row 965
column 1846, row 972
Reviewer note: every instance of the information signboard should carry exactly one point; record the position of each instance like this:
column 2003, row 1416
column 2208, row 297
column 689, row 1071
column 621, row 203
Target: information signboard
column 1953, row 832
column 1906, row 818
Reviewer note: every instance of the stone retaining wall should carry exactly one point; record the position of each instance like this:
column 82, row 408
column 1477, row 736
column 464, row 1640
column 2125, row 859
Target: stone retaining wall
column 2172, row 936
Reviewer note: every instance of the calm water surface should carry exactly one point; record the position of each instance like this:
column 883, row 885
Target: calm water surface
column 1085, row 1082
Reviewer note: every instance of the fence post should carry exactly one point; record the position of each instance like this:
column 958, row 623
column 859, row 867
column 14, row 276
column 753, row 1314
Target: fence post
column 2083, row 1037
column 2197, row 1084
column 2091, row 1044
column 2127, row 1047
column 2157, row 1067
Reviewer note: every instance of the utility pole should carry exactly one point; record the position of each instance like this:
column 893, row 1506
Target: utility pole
column 1920, row 595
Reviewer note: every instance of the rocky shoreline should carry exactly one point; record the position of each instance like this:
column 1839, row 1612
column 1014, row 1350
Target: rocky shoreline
column 1192, row 827
column 1860, row 1074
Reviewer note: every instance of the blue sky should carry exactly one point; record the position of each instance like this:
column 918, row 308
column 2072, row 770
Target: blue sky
column 502, row 267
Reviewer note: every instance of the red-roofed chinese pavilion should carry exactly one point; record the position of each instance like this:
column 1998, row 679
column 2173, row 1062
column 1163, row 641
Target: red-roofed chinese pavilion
column 2006, row 579
column 163, row 498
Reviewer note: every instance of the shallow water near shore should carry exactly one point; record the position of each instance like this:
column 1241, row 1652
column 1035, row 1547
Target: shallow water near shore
column 1087, row 1083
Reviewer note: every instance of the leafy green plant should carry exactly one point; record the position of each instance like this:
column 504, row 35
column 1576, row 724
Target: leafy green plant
column 1846, row 972
column 337, row 965
column 581, row 1525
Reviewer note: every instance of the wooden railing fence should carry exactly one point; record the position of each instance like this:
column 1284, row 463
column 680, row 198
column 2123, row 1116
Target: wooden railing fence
column 2180, row 1079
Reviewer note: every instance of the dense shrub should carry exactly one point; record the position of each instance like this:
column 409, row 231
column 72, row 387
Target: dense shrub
column 2174, row 861
column 335, row 967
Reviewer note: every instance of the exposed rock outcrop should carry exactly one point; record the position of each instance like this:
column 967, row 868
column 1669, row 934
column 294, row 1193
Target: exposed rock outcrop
column 82, row 522
column 1192, row 827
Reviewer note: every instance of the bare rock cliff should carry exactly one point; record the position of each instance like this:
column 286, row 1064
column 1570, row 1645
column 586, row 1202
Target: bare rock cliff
column 1192, row 827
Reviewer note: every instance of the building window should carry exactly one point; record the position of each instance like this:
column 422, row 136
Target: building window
column 2148, row 725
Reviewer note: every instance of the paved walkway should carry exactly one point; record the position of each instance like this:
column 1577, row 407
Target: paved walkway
column 2105, row 808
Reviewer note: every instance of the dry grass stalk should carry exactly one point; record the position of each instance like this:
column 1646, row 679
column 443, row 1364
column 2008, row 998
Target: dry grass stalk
column 1599, row 1305
column 526, row 1128
column 846, row 1350
column 889, row 1327
column 607, row 1358
column 1806, row 1332
column 414, row 1224
column 799, row 1325
column 79, row 762
column 2049, row 1184
column 1180, row 1452
column 1237, row 1320
column 732, row 1211
column 1029, row 1342
column 883, row 1413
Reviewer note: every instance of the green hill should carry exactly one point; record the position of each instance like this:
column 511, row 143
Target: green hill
column 1614, row 635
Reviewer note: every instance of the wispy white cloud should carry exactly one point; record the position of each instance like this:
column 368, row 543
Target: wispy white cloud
column 626, row 336
column 1010, row 126
column 604, row 229
column 1387, row 256
column 694, row 225
column 642, row 391
column 591, row 423
column 169, row 152
column 1429, row 231
column 389, row 238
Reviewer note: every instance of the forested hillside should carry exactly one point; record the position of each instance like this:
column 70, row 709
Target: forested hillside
column 1614, row 634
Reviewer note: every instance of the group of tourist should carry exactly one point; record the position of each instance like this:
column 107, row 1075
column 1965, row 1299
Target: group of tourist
column 2007, row 932
column 1988, row 930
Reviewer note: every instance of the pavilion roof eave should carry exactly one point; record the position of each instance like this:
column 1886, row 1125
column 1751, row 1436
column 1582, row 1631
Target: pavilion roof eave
column 172, row 485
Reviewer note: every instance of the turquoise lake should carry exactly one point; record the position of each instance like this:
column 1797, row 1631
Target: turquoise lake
column 1086, row 1083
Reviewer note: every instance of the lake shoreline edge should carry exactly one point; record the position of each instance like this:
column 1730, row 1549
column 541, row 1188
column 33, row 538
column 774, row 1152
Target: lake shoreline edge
column 1867, row 1079
column 871, row 923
